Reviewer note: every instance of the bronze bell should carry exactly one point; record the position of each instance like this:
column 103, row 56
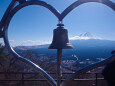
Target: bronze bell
column 60, row 38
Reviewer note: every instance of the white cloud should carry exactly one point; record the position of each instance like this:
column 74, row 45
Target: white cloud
column 85, row 38
column 28, row 42
column 37, row 42
column 11, row 41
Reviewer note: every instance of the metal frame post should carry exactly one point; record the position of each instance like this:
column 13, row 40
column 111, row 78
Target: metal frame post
column 59, row 56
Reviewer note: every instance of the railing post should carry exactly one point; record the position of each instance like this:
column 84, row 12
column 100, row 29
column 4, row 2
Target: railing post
column 96, row 79
column 22, row 79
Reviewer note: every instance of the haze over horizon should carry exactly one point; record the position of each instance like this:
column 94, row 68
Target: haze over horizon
column 81, row 36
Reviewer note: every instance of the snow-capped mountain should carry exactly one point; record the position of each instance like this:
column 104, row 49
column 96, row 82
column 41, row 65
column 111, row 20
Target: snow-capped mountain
column 85, row 35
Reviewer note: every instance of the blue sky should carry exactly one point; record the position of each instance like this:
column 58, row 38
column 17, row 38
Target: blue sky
column 35, row 24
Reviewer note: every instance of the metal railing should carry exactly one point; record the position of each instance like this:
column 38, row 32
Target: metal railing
column 23, row 77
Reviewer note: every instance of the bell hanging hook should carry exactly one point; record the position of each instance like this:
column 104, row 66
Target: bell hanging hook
column 60, row 24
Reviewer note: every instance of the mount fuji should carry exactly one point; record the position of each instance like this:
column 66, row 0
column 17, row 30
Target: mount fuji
column 85, row 35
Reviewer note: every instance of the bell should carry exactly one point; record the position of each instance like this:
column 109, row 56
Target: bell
column 60, row 38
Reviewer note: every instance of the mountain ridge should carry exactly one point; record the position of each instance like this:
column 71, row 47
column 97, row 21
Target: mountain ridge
column 83, row 49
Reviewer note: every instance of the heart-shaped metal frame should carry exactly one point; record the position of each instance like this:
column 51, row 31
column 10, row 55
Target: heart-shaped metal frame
column 13, row 8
